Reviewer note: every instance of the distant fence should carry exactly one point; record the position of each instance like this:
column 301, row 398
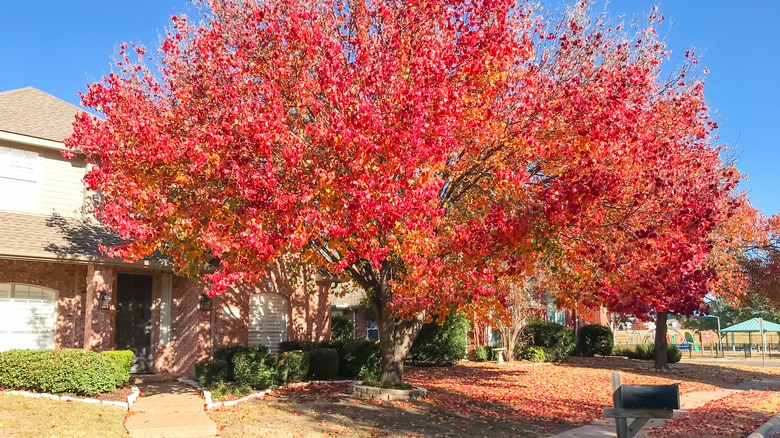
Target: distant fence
column 710, row 349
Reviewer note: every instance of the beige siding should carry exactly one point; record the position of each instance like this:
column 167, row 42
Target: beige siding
column 61, row 188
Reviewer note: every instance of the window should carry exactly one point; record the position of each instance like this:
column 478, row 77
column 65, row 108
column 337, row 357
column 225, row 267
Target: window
column 28, row 316
column 18, row 179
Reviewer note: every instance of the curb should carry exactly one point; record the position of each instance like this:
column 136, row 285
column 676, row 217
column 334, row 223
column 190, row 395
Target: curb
column 767, row 429
column 210, row 404
column 66, row 398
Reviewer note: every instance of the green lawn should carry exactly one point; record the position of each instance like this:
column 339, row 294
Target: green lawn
column 32, row 417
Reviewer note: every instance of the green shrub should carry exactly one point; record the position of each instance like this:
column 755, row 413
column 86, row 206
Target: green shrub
column 621, row 351
column 291, row 366
column 484, row 352
column 557, row 340
column 673, row 354
column 644, row 351
column 73, row 371
column 220, row 388
column 121, row 362
column 209, row 372
column 341, row 327
column 442, row 345
column 535, row 354
column 228, row 353
column 595, row 339
column 354, row 355
column 481, row 353
column 372, row 367
column 323, row 363
column 252, row 370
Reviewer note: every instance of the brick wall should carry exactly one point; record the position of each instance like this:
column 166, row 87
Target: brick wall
column 69, row 282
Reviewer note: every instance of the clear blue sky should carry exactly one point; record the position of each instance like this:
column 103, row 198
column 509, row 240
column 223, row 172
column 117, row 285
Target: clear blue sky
column 60, row 46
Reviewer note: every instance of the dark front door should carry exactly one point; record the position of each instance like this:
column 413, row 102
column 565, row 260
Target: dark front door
column 134, row 319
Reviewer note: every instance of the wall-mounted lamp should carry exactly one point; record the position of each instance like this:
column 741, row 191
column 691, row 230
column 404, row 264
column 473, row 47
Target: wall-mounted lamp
column 105, row 301
column 204, row 303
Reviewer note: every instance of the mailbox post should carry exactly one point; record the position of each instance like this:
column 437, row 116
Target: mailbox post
column 640, row 402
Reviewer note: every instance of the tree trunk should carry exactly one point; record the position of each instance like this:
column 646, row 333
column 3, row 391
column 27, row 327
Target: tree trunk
column 661, row 363
column 396, row 336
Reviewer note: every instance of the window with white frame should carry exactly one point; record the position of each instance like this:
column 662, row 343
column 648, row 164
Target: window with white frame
column 19, row 175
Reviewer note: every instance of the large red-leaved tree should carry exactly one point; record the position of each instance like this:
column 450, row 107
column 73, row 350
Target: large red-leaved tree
column 426, row 150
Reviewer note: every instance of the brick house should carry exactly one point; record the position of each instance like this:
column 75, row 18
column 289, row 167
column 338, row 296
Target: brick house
column 346, row 299
column 58, row 291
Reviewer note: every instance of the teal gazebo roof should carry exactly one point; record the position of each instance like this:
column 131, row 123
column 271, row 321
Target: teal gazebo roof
column 751, row 326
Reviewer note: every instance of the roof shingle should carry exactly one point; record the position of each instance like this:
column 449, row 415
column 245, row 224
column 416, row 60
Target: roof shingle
column 31, row 112
column 57, row 238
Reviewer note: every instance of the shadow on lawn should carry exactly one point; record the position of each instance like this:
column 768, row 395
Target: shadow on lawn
column 327, row 406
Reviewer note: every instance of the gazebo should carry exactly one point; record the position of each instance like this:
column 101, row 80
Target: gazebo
column 750, row 326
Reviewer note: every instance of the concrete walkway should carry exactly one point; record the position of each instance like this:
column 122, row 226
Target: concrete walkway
column 168, row 410
column 691, row 400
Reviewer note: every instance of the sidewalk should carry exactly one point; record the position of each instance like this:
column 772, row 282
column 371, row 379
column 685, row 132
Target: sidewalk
column 169, row 409
column 691, row 400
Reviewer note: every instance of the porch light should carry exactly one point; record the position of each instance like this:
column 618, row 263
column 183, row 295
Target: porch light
column 105, row 300
column 204, row 303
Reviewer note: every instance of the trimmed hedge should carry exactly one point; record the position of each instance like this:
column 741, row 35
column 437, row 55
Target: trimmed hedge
column 442, row 345
column 251, row 369
column 208, row 372
column 122, row 361
column 291, row 366
column 595, row 339
column 73, row 371
column 557, row 340
column 323, row 363
column 358, row 357
column 228, row 353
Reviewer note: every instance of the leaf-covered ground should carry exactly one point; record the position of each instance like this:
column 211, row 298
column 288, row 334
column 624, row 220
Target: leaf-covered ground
column 480, row 400
column 571, row 394
column 736, row 415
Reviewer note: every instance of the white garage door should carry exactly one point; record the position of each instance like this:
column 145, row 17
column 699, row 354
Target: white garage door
column 28, row 316
column 267, row 320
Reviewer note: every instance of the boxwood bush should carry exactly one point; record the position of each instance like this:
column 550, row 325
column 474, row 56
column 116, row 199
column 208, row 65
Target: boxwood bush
column 673, row 354
column 360, row 357
column 444, row 344
column 323, row 363
column 594, row 339
column 122, row 361
column 483, row 353
column 291, row 366
column 73, row 371
column 252, row 368
column 209, row 372
column 557, row 340
column 535, row 354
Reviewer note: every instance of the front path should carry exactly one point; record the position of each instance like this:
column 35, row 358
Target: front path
column 169, row 409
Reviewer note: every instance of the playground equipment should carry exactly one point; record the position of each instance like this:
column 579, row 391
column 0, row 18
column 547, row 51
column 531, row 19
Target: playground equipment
column 691, row 340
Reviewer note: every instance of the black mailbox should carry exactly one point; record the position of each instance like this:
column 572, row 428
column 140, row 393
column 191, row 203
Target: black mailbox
column 650, row 396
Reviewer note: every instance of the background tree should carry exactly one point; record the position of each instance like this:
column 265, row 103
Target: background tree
column 426, row 150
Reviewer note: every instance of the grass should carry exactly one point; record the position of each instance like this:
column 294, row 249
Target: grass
column 33, row 417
